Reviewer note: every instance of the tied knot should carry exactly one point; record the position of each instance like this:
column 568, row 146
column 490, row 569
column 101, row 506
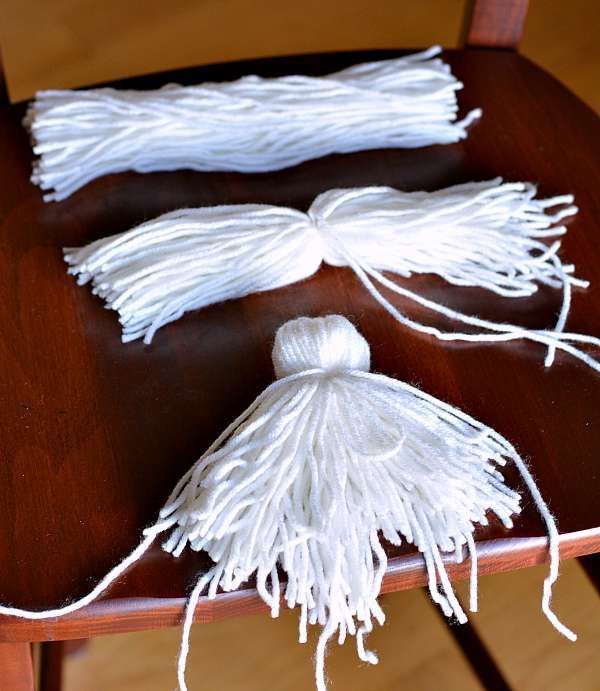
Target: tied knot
column 329, row 343
column 324, row 233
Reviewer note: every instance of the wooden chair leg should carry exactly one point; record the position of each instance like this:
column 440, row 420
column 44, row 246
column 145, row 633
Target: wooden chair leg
column 16, row 667
column 476, row 654
column 51, row 665
column 591, row 565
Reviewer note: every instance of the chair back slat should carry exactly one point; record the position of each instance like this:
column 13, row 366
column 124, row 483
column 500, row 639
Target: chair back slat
column 495, row 23
column 3, row 90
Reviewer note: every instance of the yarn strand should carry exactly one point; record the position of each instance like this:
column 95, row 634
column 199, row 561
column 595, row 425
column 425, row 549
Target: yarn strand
column 94, row 594
column 504, row 332
column 190, row 610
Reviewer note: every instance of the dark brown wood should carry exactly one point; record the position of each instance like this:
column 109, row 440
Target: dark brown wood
column 51, row 665
column 94, row 433
column 494, row 23
column 16, row 667
column 475, row 653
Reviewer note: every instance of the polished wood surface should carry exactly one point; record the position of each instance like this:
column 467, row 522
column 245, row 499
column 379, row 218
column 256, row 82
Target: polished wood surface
column 495, row 23
column 93, row 433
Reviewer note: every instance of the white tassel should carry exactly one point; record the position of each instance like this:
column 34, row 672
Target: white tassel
column 249, row 125
column 328, row 461
column 486, row 234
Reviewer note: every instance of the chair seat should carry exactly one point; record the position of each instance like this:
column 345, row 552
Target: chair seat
column 94, row 433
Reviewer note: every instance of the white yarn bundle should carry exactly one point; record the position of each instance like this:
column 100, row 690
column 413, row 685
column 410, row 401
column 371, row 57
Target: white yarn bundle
column 329, row 460
column 486, row 234
column 249, row 125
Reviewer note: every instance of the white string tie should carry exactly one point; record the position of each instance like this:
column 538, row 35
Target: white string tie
column 490, row 235
column 249, row 125
column 326, row 464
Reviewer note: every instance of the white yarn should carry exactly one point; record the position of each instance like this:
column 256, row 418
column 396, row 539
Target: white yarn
column 249, row 125
column 325, row 463
column 487, row 234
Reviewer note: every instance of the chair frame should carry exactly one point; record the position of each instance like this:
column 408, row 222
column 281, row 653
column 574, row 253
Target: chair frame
column 488, row 24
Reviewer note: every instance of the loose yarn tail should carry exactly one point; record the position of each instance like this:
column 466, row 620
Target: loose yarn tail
column 553, row 549
column 149, row 537
column 188, row 620
column 502, row 332
column 488, row 235
column 249, row 125
column 506, row 451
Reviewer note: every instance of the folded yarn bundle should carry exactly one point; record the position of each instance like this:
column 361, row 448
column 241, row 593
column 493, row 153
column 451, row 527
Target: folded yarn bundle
column 250, row 125
column 489, row 235
column 326, row 462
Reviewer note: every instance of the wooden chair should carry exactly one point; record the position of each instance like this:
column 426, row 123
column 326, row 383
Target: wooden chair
column 93, row 433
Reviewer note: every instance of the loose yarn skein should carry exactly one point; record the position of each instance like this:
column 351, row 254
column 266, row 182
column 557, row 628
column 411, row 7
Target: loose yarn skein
column 249, row 125
column 329, row 460
column 489, row 235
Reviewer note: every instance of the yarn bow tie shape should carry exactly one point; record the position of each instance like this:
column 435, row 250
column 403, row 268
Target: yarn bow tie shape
column 489, row 235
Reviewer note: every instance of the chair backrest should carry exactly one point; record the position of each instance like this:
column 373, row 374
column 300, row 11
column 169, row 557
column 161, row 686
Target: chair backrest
column 495, row 23
column 487, row 23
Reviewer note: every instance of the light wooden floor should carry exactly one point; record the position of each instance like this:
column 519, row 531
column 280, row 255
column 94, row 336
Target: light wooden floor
column 416, row 651
column 61, row 43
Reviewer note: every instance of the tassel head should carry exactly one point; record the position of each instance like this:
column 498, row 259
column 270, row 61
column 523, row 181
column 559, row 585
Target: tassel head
column 329, row 343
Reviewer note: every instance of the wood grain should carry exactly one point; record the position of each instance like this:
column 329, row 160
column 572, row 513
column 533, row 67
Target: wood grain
column 3, row 90
column 93, row 433
column 495, row 23
column 416, row 652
